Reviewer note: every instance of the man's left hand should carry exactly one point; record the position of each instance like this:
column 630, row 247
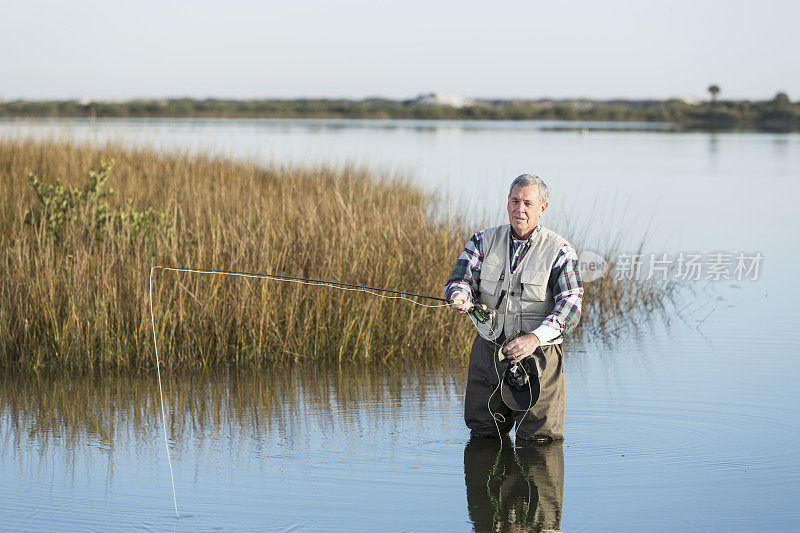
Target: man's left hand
column 521, row 347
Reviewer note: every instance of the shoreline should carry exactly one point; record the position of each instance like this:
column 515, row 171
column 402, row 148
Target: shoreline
column 777, row 115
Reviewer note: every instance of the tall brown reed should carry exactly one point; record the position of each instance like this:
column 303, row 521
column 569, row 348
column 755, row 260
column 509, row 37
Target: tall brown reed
column 615, row 301
column 81, row 301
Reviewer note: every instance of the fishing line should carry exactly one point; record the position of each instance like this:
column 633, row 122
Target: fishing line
column 499, row 416
column 161, row 395
column 375, row 291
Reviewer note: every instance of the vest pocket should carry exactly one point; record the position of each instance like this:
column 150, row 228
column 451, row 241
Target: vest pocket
column 534, row 285
column 490, row 280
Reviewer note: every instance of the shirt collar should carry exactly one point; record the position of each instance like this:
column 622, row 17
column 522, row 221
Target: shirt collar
column 529, row 239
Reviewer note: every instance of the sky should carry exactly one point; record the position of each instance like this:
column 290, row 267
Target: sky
column 356, row 49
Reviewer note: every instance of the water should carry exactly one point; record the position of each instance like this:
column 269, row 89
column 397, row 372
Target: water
column 687, row 421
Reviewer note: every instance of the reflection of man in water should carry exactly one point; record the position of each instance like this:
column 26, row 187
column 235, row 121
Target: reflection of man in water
column 514, row 489
column 527, row 275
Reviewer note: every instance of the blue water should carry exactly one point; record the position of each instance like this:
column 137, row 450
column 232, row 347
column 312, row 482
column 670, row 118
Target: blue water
column 682, row 421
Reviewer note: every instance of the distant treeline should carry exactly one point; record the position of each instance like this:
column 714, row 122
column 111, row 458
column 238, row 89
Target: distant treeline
column 776, row 114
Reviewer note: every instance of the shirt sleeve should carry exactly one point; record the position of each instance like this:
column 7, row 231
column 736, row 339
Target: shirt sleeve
column 567, row 288
column 467, row 272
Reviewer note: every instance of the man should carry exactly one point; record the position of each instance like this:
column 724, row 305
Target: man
column 527, row 276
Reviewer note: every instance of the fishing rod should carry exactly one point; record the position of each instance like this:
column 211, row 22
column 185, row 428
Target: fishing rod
column 480, row 311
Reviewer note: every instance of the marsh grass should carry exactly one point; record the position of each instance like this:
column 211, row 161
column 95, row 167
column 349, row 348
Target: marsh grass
column 80, row 301
column 614, row 302
column 77, row 298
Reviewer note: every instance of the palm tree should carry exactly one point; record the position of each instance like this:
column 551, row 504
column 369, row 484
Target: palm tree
column 714, row 91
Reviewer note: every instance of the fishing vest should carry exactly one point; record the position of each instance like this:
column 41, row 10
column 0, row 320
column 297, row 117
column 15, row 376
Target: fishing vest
column 518, row 301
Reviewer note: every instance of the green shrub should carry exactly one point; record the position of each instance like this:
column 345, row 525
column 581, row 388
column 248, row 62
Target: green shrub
column 89, row 205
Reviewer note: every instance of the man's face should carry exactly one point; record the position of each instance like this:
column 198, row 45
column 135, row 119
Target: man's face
column 524, row 210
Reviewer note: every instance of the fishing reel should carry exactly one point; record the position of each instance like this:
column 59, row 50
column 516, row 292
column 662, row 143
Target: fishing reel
column 480, row 312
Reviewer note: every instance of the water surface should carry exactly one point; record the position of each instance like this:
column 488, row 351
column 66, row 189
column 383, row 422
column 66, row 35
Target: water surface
column 686, row 420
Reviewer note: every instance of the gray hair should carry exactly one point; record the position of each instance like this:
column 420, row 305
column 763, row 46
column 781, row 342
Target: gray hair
column 528, row 180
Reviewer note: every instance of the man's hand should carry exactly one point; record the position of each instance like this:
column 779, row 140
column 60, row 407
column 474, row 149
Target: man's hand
column 521, row 347
column 460, row 303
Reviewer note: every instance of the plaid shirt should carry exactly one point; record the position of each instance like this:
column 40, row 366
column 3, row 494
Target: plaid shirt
column 565, row 281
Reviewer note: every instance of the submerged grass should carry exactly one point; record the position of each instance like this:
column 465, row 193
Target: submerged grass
column 76, row 263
